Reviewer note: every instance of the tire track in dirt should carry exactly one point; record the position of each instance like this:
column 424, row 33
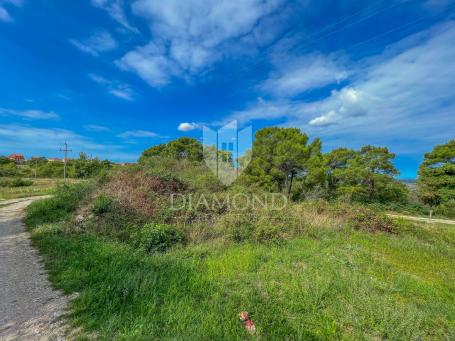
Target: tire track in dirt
column 30, row 309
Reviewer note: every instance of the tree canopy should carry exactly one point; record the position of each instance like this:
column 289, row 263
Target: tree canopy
column 437, row 177
column 182, row 148
column 280, row 155
column 364, row 175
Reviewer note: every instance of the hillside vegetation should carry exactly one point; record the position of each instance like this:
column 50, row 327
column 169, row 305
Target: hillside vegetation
column 163, row 250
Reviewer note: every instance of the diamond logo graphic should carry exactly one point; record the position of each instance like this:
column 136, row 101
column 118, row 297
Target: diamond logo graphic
column 227, row 152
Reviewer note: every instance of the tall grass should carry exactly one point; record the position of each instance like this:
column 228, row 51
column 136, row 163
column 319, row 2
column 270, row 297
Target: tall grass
column 65, row 201
column 331, row 285
column 313, row 271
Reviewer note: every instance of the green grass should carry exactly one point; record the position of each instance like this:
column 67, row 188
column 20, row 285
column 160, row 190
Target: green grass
column 39, row 187
column 328, row 285
column 59, row 207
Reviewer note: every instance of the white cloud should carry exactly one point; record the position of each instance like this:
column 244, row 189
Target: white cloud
column 96, row 128
column 137, row 133
column 263, row 109
column 409, row 90
column 325, row 119
column 150, row 63
column 30, row 114
column 115, row 88
column 36, row 141
column 4, row 14
column 115, row 8
column 187, row 126
column 100, row 41
column 27, row 138
column 306, row 73
column 188, row 36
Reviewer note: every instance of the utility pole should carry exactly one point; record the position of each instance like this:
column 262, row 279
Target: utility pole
column 65, row 150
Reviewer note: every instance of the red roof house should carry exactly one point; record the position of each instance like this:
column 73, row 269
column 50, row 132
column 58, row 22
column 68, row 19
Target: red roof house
column 16, row 157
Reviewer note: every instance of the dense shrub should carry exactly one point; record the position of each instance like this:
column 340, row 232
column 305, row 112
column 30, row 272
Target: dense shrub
column 368, row 220
column 65, row 201
column 361, row 218
column 17, row 182
column 194, row 175
column 137, row 191
column 103, row 204
column 157, row 237
column 238, row 227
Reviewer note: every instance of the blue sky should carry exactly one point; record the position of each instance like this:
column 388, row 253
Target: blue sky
column 114, row 77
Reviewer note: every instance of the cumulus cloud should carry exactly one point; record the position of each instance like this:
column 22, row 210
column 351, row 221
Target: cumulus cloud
column 306, row 73
column 151, row 64
column 325, row 119
column 187, row 35
column 30, row 114
column 100, row 41
column 187, row 126
column 115, row 88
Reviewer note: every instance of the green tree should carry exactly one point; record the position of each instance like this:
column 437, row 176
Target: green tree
column 336, row 163
column 8, row 169
column 364, row 175
column 50, row 169
column 182, row 148
column 280, row 155
column 84, row 167
column 436, row 181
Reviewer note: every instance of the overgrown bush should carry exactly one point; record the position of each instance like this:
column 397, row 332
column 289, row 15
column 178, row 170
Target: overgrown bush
column 195, row 175
column 238, row 227
column 157, row 237
column 362, row 218
column 103, row 204
column 65, row 201
column 135, row 190
column 16, row 182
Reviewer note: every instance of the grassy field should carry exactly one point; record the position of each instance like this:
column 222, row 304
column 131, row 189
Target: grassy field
column 324, row 284
column 39, row 187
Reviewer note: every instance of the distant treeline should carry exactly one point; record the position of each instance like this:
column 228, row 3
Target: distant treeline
column 284, row 160
column 80, row 168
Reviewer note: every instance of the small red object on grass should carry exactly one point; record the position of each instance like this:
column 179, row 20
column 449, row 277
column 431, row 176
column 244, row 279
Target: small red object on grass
column 249, row 324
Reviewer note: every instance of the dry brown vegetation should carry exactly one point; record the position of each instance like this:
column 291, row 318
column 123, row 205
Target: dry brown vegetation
column 124, row 203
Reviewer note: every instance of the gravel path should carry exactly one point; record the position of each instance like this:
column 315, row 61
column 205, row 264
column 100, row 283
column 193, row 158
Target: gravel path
column 30, row 309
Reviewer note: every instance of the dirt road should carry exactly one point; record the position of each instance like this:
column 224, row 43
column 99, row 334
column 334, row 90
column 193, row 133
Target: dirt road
column 423, row 219
column 30, row 309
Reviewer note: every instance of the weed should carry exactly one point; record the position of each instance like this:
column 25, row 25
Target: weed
column 59, row 207
column 103, row 204
column 157, row 237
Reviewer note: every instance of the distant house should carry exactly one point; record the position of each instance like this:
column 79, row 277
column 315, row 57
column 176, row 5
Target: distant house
column 37, row 158
column 16, row 157
column 54, row 159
